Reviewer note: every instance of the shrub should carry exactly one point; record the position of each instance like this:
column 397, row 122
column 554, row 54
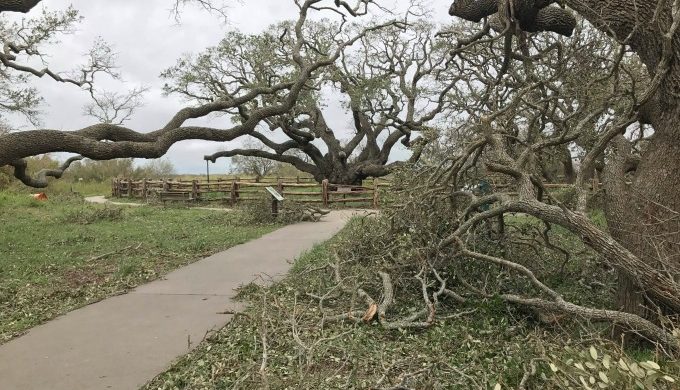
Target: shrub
column 90, row 215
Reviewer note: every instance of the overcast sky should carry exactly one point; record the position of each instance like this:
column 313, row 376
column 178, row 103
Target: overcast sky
column 148, row 40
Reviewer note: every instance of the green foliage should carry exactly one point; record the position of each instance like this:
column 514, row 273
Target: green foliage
column 92, row 214
column 597, row 369
column 34, row 33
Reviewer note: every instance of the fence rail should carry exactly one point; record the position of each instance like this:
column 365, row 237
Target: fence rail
column 234, row 190
column 237, row 190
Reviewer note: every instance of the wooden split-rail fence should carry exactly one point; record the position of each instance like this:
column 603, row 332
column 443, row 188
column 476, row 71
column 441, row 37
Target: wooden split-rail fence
column 300, row 189
column 238, row 190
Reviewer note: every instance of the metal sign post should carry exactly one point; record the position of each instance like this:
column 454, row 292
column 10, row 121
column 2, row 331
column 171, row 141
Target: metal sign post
column 276, row 198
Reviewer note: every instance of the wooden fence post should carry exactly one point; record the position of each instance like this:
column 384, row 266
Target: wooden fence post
column 194, row 190
column 324, row 192
column 144, row 189
column 280, row 187
column 233, row 192
column 129, row 188
column 376, row 195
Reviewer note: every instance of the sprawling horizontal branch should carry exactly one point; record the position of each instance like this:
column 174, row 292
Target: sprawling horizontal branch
column 106, row 141
column 295, row 161
column 630, row 321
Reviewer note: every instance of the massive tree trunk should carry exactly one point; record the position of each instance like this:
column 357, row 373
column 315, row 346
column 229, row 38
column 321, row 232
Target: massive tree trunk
column 339, row 175
column 617, row 206
column 649, row 222
column 349, row 173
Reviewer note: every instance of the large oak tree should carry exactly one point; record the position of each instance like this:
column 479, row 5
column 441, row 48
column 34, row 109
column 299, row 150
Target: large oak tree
column 103, row 141
column 393, row 86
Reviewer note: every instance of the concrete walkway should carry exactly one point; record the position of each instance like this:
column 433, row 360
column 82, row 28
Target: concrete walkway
column 125, row 341
column 102, row 200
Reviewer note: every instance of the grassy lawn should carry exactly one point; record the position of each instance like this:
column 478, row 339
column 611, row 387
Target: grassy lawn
column 281, row 341
column 58, row 255
column 85, row 188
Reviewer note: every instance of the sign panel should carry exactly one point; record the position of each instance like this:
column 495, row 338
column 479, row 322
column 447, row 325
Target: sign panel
column 344, row 190
column 274, row 193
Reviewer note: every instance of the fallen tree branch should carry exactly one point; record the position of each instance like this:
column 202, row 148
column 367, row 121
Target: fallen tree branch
column 105, row 255
column 557, row 304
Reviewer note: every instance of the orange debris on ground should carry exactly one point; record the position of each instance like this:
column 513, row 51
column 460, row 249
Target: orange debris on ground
column 40, row 196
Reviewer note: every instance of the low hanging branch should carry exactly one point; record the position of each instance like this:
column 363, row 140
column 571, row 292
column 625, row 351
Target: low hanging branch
column 40, row 179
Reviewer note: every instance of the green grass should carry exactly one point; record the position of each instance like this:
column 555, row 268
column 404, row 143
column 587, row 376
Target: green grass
column 61, row 254
column 84, row 188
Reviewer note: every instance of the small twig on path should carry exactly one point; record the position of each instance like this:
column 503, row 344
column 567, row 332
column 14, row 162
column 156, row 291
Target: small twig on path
column 265, row 353
column 234, row 313
column 105, row 255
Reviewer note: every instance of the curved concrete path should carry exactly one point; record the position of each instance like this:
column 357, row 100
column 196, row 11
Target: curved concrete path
column 125, row 341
